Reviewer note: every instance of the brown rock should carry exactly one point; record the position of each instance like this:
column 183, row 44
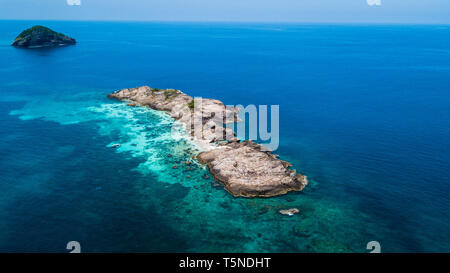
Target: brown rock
column 245, row 168
column 248, row 172
column 289, row 212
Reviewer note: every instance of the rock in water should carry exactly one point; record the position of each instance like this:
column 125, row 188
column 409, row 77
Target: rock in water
column 289, row 212
column 39, row 36
column 245, row 168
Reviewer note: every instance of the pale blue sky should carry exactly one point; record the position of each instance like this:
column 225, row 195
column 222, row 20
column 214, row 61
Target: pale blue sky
column 390, row 11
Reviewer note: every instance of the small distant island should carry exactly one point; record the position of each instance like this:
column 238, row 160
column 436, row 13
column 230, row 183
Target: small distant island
column 39, row 36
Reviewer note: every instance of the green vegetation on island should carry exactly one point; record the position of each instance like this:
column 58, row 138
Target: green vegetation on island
column 170, row 92
column 40, row 36
column 191, row 105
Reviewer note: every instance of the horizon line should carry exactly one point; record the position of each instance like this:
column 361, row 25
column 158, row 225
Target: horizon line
column 234, row 21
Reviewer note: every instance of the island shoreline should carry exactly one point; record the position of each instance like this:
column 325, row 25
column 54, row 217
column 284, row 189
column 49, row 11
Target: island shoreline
column 245, row 168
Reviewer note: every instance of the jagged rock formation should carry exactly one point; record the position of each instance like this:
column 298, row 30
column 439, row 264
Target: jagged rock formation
column 39, row 36
column 245, row 168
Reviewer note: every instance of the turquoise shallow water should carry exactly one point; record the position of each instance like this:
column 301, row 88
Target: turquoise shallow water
column 364, row 112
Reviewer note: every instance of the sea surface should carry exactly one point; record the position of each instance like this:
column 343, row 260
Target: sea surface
column 364, row 113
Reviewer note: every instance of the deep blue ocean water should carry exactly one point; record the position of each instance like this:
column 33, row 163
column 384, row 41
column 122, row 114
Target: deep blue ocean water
column 364, row 112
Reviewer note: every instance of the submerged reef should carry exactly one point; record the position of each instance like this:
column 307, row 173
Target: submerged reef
column 245, row 168
column 39, row 36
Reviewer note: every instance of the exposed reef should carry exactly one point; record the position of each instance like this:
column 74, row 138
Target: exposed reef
column 39, row 36
column 245, row 168
column 289, row 212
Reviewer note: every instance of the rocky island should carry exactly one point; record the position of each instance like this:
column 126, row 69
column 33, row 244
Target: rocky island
column 39, row 36
column 245, row 168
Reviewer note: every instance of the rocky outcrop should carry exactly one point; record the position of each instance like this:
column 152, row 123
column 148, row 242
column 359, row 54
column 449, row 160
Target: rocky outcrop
column 207, row 126
column 289, row 212
column 245, row 168
column 39, row 36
